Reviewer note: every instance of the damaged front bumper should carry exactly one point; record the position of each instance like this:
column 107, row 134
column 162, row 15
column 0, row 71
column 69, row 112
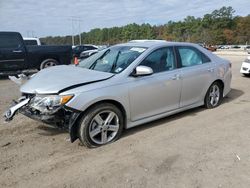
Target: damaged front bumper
column 63, row 117
column 14, row 109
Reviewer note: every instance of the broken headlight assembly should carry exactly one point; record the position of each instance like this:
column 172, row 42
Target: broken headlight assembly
column 49, row 104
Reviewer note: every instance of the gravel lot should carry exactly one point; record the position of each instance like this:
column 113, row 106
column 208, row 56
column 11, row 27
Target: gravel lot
column 196, row 148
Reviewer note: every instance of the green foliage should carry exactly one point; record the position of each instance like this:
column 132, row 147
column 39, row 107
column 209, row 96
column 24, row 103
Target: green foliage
column 219, row 27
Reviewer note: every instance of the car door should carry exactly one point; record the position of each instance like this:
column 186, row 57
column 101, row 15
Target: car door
column 197, row 73
column 12, row 52
column 159, row 92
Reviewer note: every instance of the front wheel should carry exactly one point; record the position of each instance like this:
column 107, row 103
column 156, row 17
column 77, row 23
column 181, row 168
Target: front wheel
column 214, row 95
column 102, row 124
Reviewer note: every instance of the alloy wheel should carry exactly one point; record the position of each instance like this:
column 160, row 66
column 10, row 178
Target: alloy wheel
column 104, row 127
column 214, row 95
column 49, row 64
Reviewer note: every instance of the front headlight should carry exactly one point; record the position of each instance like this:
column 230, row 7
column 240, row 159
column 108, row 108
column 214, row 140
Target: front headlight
column 49, row 103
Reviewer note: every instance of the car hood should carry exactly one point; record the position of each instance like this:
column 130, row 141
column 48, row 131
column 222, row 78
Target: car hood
column 60, row 78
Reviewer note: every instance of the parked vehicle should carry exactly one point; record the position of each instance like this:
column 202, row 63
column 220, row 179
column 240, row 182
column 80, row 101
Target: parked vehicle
column 245, row 67
column 208, row 47
column 77, row 50
column 211, row 48
column 223, row 47
column 236, row 47
column 247, row 48
column 32, row 41
column 88, row 53
column 124, row 86
column 16, row 57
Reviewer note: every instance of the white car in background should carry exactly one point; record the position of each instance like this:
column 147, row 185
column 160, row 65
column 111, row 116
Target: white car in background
column 245, row 67
column 88, row 53
column 32, row 41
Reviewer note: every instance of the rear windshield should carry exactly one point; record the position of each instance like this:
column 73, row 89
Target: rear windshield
column 30, row 42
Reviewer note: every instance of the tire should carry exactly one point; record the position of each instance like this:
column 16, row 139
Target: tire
column 213, row 96
column 100, row 125
column 48, row 63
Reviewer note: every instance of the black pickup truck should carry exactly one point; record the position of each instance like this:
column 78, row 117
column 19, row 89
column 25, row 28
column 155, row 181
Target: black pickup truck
column 16, row 58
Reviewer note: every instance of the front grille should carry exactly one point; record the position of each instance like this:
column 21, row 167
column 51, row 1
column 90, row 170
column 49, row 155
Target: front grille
column 245, row 69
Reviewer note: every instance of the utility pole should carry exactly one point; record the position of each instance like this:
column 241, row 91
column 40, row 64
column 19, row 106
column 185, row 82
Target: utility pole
column 73, row 41
column 30, row 33
column 76, row 25
column 79, row 29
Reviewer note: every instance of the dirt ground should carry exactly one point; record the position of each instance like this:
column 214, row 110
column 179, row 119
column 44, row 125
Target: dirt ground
column 197, row 148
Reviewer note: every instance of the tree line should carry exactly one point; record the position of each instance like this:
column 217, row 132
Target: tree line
column 218, row 27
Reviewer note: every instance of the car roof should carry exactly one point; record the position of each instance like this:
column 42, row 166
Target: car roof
column 153, row 43
column 30, row 38
column 84, row 45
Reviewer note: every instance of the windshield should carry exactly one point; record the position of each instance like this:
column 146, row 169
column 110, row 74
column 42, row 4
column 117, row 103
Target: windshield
column 113, row 60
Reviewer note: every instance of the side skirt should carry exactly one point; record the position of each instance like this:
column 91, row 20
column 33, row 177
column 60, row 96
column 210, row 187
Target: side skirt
column 159, row 116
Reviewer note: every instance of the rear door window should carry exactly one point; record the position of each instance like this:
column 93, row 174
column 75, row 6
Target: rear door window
column 191, row 56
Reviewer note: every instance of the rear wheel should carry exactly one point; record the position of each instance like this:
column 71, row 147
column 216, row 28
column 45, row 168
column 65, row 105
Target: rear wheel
column 48, row 63
column 214, row 95
column 102, row 124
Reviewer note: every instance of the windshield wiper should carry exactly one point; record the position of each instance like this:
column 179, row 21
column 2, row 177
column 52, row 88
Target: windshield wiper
column 92, row 67
column 115, row 63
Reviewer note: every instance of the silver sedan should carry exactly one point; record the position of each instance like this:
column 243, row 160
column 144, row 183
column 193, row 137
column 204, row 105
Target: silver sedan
column 124, row 86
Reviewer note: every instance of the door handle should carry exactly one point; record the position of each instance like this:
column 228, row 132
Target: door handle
column 176, row 77
column 17, row 51
column 210, row 70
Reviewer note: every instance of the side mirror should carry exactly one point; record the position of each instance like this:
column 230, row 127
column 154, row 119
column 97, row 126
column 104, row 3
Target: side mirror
column 142, row 71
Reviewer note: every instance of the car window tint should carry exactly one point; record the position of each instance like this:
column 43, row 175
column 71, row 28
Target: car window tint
column 191, row 56
column 160, row 60
column 86, row 48
column 205, row 59
column 89, row 48
column 30, row 42
column 12, row 42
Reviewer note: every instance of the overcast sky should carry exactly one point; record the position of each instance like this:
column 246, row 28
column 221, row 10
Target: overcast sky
column 53, row 17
